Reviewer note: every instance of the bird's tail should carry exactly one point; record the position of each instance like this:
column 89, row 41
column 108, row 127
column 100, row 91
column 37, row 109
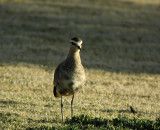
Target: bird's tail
column 54, row 91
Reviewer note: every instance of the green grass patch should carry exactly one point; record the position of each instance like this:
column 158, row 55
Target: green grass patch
column 121, row 122
column 84, row 121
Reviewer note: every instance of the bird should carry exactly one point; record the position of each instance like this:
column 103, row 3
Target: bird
column 69, row 76
column 133, row 110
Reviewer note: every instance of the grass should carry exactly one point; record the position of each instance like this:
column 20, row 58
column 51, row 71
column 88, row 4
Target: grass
column 87, row 122
column 121, row 56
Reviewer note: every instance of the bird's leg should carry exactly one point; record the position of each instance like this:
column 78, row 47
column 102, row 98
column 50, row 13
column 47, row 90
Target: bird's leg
column 62, row 107
column 72, row 106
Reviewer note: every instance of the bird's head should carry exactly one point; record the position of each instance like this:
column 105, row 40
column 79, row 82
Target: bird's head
column 76, row 43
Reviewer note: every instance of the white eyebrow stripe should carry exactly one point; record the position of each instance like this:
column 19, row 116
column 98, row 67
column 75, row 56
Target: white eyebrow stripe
column 76, row 42
column 73, row 42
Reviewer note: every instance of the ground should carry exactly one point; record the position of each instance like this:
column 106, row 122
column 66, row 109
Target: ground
column 121, row 56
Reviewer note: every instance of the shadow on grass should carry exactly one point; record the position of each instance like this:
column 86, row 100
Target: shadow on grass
column 111, row 110
column 136, row 112
column 115, row 39
column 119, row 111
column 10, row 102
column 42, row 120
column 9, row 118
column 2, row 115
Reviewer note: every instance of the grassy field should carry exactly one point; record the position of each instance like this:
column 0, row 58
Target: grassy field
column 121, row 56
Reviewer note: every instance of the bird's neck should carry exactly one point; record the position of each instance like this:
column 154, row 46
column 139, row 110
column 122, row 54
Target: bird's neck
column 74, row 56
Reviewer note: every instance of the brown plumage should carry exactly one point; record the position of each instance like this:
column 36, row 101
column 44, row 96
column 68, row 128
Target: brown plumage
column 69, row 76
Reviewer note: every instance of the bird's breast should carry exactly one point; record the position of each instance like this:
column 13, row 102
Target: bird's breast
column 73, row 83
